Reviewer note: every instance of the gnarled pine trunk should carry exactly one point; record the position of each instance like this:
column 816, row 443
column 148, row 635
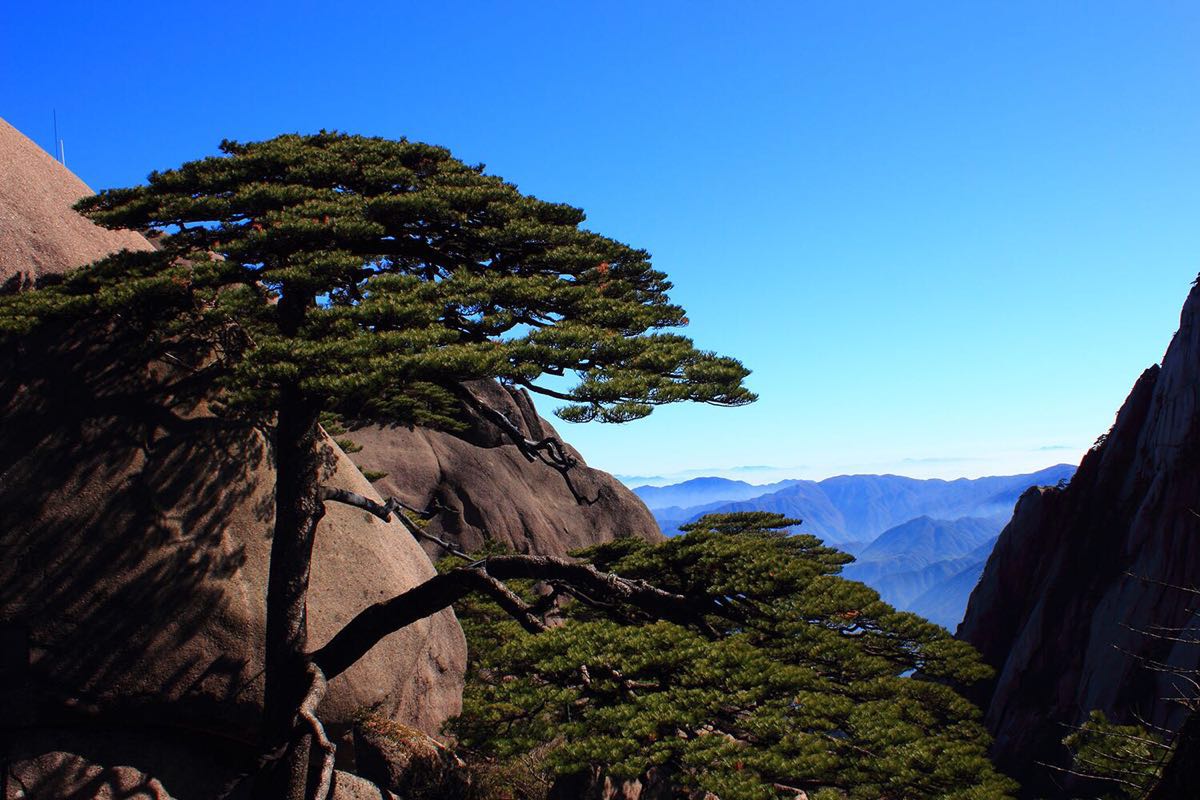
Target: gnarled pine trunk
column 298, row 509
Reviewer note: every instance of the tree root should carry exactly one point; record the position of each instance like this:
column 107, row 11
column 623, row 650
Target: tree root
column 308, row 713
column 306, row 717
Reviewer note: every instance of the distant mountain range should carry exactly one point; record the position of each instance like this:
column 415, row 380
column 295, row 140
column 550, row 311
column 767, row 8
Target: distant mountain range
column 704, row 491
column 921, row 544
column 921, row 561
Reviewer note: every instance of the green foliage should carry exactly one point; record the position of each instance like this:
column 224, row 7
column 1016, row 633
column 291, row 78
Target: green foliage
column 334, row 425
column 801, row 684
column 1126, row 760
column 369, row 277
column 373, row 475
column 524, row 777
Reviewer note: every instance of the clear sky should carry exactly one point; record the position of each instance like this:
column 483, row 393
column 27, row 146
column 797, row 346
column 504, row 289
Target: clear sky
column 946, row 237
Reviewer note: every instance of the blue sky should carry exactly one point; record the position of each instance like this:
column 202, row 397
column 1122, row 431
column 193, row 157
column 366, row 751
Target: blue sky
column 946, row 237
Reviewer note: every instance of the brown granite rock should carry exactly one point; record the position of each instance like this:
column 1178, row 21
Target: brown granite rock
column 1081, row 574
column 39, row 233
column 489, row 489
column 67, row 776
column 125, row 765
column 406, row 761
column 348, row 786
column 134, row 577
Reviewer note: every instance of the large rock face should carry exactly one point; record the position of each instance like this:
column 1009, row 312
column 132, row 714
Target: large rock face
column 488, row 489
column 38, row 232
column 135, row 528
column 1082, row 574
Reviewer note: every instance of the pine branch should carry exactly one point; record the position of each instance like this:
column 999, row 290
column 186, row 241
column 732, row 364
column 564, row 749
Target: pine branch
column 548, row 450
column 363, row 632
column 385, row 511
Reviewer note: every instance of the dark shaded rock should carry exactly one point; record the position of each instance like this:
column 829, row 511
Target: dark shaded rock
column 656, row 784
column 69, row 776
column 125, row 765
column 135, row 528
column 90, row 761
column 1081, row 575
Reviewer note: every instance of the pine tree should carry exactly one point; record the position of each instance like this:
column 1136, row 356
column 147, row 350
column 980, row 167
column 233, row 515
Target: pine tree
column 799, row 680
column 369, row 278
column 1118, row 762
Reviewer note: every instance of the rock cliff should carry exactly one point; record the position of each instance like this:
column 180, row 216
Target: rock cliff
column 1083, row 575
column 38, row 233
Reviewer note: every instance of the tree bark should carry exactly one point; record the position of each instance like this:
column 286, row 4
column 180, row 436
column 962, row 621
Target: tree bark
column 298, row 509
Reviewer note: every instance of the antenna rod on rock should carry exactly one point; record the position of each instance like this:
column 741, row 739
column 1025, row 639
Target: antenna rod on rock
column 60, row 150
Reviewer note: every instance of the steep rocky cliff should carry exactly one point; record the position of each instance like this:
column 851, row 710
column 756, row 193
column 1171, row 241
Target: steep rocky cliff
column 1083, row 575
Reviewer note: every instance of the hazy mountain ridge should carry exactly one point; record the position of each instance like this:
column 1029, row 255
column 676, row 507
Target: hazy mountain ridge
column 935, row 538
column 946, row 601
column 926, row 539
column 704, row 491
column 920, row 558
column 858, row 508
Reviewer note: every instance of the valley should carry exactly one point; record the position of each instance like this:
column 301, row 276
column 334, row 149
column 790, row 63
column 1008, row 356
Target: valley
column 921, row 543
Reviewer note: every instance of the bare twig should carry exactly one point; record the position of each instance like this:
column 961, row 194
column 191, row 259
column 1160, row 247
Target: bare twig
column 1146, row 579
column 1156, row 666
column 1145, row 723
column 1090, row 776
column 420, row 533
column 1117, row 734
column 1161, row 636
